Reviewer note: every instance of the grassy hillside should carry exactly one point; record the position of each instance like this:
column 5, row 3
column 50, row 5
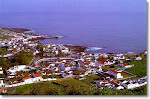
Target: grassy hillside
column 71, row 87
column 140, row 67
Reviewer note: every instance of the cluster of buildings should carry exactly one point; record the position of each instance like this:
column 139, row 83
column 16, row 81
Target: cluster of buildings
column 77, row 65
column 28, row 42
column 17, row 43
column 122, row 84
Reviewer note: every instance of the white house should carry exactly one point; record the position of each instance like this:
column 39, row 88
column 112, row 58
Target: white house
column 127, row 66
column 119, row 87
column 67, row 68
column 118, row 57
column 1, row 70
column 105, row 55
column 116, row 74
column 109, row 62
column 103, row 83
column 145, row 52
column 130, row 85
column 56, row 52
column 122, row 60
column 1, row 84
column 138, row 58
column 37, row 77
column 67, row 74
column 27, row 80
column 36, row 52
column 64, row 50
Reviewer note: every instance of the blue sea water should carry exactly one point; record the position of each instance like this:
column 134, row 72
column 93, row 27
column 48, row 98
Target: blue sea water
column 104, row 25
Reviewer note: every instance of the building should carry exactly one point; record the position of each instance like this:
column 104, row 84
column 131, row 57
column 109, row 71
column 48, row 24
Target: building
column 127, row 66
column 116, row 74
column 1, row 70
column 3, row 91
column 138, row 58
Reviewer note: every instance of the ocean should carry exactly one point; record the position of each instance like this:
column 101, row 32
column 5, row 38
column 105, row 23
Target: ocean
column 111, row 26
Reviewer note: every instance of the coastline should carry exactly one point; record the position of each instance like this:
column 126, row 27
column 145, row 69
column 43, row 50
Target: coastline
column 73, row 48
column 30, row 32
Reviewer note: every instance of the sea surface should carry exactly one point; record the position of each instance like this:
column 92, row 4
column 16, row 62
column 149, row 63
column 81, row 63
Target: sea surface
column 103, row 25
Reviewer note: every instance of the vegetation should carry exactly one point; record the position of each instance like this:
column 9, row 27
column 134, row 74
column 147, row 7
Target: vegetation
column 51, row 76
column 108, row 91
column 4, row 63
column 90, row 79
column 2, row 75
column 64, row 87
column 71, row 86
column 105, row 68
column 3, row 51
column 140, row 67
column 21, row 58
column 22, row 89
column 4, row 36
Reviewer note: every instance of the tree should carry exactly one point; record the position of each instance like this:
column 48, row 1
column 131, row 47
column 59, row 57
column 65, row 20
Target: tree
column 3, row 63
column 22, row 58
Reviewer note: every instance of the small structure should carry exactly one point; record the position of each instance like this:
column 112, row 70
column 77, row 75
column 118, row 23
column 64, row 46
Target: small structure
column 37, row 77
column 1, row 83
column 145, row 52
column 138, row 58
column 1, row 70
column 3, row 91
column 27, row 80
column 127, row 66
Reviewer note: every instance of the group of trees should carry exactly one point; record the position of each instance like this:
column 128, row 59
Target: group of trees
column 3, row 50
column 21, row 58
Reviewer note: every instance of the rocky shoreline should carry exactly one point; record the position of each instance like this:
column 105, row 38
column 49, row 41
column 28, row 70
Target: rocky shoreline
column 76, row 48
column 73, row 48
column 30, row 32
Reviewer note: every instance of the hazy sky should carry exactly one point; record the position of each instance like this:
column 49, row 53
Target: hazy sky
column 34, row 5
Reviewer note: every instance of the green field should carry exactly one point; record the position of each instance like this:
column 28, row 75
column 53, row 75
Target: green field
column 140, row 67
column 125, row 75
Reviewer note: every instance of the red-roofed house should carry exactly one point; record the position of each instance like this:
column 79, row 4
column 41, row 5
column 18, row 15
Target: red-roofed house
column 3, row 91
column 122, row 60
column 116, row 74
column 27, row 80
column 138, row 58
column 127, row 66
column 37, row 77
